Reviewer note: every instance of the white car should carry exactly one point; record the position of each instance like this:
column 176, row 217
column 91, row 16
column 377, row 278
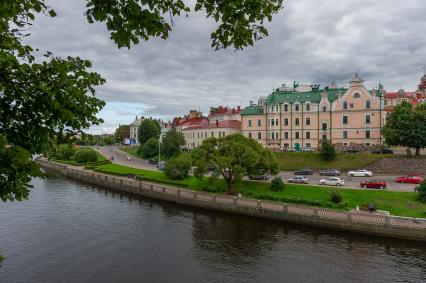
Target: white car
column 299, row 180
column 332, row 181
column 360, row 173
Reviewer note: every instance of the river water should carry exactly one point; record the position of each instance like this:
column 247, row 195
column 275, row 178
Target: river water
column 70, row 232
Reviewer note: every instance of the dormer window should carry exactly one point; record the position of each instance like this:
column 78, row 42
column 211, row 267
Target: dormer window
column 345, row 105
column 324, row 108
column 285, row 107
column 308, row 107
column 357, row 95
column 296, row 107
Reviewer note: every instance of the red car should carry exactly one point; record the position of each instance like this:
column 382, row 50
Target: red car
column 375, row 184
column 411, row 179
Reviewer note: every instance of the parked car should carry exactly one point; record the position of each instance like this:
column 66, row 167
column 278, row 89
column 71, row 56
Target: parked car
column 411, row 179
column 351, row 150
column 382, row 151
column 332, row 181
column 211, row 168
column 304, row 171
column 360, row 173
column 286, row 149
column 161, row 165
column 307, row 149
column 330, row 172
column 375, row 184
column 262, row 177
column 153, row 161
column 299, row 180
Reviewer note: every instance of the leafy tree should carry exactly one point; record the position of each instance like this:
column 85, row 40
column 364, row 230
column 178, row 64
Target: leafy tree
column 421, row 189
column 85, row 155
column 171, row 143
column 327, row 152
column 149, row 149
column 148, row 129
column 406, row 126
column 277, row 184
column 65, row 151
column 122, row 133
column 44, row 100
column 234, row 156
column 240, row 22
column 178, row 168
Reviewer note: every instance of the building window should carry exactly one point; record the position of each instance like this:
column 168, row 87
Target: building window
column 356, row 95
column 286, row 135
column 308, row 135
column 297, row 135
column 285, row 107
column 249, row 123
column 296, row 121
column 272, row 122
column 345, row 105
column 345, row 134
column 345, row 120
column 276, row 122
column 308, row 107
column 308, row 145
column 223, row 134
column 276, row 108
column 249, row 135
column 367, row 104
column 212, row 134
column 324, row 108
column 308, row 121
column 385, row 102
column 198, row 135
column 259, row 123
column 286, row 122
column 367, row 119
column 296, row 107
column 324, row 126
column 324, row 137
column 259, row 136
column 367, row 134
column 272, row 135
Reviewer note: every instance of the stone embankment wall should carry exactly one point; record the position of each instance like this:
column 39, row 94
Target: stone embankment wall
column 359, row 222
column 400, row 165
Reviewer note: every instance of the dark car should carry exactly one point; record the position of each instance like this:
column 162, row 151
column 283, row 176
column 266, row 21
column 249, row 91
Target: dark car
column 153, row 161
column 351, row 150
column 211, row 168
column 375, row 184
column 305, row 171
column 262, row 177
column 330, row 172
column 382, row 151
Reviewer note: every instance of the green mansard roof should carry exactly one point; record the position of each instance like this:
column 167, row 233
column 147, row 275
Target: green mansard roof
column 252, row 110
column 313, row 96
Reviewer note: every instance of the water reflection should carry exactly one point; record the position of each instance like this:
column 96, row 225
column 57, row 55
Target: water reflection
column 77, row 233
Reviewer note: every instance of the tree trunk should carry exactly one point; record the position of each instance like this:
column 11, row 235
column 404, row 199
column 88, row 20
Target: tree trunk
column 417, row 150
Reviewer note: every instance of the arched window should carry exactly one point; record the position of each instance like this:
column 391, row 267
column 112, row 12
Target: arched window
column 356, row 95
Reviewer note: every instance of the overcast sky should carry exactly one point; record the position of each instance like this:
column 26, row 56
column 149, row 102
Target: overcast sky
column 309, row 41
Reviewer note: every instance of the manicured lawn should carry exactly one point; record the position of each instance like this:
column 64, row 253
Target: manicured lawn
column 397, row 203
column 344, row 161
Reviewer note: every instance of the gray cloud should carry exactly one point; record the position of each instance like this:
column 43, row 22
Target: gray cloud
column 310, row 41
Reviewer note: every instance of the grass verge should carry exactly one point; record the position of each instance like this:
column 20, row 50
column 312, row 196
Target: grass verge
column 101, row 160
column 344, row 161
column 130, row 150
column 397, row 203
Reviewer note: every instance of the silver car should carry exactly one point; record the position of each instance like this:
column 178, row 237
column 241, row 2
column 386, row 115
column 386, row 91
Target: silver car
column 332, row 181
column 299, row 180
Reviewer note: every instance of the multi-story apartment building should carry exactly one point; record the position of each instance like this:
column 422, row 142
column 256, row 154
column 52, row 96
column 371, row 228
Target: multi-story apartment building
column 134, row 128
column 305, row 115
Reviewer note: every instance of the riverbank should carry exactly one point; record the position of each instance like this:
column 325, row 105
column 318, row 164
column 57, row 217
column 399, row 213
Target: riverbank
column 359, row 222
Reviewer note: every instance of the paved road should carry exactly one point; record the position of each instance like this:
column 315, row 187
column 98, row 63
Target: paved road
column 353, row 182
column 120, row 157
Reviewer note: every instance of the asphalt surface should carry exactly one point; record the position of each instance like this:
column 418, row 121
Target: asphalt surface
column 121, row 157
